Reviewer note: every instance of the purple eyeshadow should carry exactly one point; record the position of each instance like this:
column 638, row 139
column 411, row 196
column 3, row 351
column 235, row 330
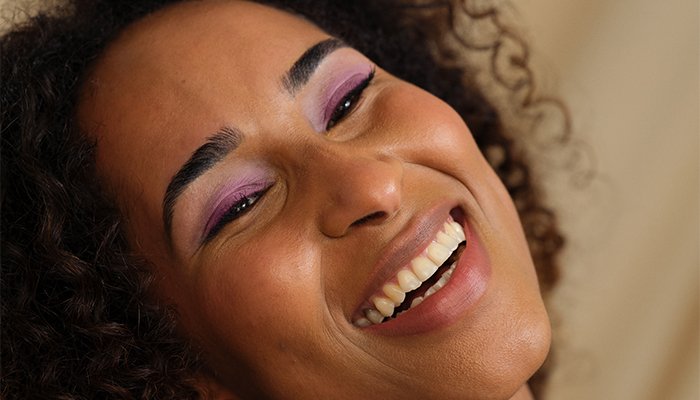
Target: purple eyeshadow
column 340, row 83
column 340, row 92
column 250, row 181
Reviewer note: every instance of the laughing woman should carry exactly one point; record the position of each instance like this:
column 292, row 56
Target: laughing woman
column 288, row 200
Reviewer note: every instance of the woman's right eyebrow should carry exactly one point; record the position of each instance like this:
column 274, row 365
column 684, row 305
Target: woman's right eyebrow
column 218, row 146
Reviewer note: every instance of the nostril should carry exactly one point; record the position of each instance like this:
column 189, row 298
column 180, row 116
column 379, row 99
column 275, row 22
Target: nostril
column 379, row 215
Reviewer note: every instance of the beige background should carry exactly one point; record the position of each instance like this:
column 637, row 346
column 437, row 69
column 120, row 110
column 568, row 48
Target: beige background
column 628, row 305
column 629, row 301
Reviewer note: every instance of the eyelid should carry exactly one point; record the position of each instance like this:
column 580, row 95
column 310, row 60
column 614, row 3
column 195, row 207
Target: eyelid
column 354, row 96
column 245, row 188
column 345, row 88
column 341, row 72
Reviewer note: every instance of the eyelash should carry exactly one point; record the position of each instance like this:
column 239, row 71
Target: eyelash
column 348, row 102
column 245, row 202
column 241, row 205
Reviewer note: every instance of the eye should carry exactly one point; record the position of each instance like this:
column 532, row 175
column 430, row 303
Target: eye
column 348, row 101
column 240, row 204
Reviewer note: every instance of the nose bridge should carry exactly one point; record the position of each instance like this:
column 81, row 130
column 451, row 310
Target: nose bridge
column 360, row 187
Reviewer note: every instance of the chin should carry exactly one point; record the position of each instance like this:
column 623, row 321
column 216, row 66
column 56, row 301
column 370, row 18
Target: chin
column 522, row 351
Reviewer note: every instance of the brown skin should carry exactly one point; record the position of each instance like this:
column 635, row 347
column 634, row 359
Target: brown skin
column 269, row 299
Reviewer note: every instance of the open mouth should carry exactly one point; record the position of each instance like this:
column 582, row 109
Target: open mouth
column 424, row 276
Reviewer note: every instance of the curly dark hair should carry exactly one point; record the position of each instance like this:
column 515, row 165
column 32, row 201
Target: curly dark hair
column 76, row 319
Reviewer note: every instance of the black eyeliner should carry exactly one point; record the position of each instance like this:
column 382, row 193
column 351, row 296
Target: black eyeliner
column 355, row 94
column 233, row 212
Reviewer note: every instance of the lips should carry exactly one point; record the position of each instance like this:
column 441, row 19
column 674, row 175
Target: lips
column 434, row 289
column 422, row 277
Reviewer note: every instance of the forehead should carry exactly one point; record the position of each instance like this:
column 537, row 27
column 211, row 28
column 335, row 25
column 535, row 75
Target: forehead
column 175, row 77
column 231, row 35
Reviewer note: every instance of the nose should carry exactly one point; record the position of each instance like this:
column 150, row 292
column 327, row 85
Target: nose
column 360, row 191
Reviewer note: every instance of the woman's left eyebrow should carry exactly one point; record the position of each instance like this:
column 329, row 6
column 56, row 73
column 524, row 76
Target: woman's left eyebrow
column 227, row 139
column 218, row 146
column 304, row 67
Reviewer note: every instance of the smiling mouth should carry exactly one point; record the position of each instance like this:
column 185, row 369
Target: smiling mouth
column 424, row 276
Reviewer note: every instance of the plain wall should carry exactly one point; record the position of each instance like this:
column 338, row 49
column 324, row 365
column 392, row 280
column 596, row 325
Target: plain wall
column 628, row 303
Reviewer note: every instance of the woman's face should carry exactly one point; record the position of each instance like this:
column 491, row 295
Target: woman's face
column 283, row 185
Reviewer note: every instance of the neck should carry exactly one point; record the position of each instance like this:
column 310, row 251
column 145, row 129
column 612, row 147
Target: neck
column 523, row 393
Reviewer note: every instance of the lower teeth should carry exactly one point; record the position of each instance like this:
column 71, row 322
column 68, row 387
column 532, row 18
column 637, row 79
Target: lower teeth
column 433, row 289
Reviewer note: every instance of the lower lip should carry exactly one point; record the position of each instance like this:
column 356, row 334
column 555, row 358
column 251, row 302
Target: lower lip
column 464, row 289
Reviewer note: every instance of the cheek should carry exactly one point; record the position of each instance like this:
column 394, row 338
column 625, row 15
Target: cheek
column 256, row 286
column 438, row 138
column 255, row 306
column 427, row 131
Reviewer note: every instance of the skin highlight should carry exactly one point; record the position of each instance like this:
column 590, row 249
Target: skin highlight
column 148, row 124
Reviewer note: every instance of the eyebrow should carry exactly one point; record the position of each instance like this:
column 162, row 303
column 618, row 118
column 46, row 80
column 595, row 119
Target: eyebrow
column 304, row 67
column 218, row 146
column 227, row 139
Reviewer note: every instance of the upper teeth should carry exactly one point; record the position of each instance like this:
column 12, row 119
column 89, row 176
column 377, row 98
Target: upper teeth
column 419, row 270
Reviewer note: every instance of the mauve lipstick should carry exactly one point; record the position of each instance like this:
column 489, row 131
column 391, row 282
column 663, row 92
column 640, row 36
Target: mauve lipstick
column 465, row 288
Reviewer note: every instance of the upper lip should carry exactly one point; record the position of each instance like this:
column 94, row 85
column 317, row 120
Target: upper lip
column 415, row 236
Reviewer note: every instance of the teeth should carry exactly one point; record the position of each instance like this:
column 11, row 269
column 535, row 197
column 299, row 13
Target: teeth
column 407, row 280
column 448, row 273
column 410, row 278
column 450, row 230
column 438, row 253
column 437, row 286
column 416, row 301
column 374, row 316
column 383, row 305
column 458, row 230
column 423, row 268
column 441, row 282
column 394, row 292
column 447, row 241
